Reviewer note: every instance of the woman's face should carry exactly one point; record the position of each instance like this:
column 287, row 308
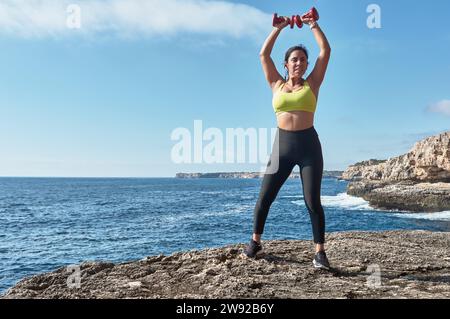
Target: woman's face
column 297, row 64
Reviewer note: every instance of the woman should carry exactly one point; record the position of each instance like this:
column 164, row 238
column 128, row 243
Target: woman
column 297, row 142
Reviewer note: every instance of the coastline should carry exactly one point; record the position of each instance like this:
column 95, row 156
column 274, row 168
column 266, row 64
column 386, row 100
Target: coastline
column 249, row 175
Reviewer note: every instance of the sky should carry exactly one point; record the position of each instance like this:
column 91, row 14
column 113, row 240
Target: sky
column 98, row 88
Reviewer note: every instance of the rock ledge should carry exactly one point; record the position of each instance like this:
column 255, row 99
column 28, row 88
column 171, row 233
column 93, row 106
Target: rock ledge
column 411, row 264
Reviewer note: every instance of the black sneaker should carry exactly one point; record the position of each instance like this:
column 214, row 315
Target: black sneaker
column 253, row 249
column 321, row 261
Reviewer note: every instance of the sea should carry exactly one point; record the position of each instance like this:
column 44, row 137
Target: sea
column 48, row 223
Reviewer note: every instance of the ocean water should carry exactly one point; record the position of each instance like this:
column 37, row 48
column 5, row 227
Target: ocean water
column 46, row 223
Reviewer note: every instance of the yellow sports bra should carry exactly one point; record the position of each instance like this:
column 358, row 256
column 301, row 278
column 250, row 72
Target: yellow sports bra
column 301, row 100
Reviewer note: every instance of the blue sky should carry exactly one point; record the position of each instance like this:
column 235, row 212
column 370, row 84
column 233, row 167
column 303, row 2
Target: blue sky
column 104, row 99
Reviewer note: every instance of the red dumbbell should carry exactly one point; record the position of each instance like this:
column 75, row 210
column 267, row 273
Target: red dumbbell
column 277, row 20
column 311, row 14
column 296, row 20
column 291, row 21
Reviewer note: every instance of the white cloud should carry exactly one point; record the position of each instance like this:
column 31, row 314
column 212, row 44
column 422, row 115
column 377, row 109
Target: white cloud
column 131, row 18
column 442, row 107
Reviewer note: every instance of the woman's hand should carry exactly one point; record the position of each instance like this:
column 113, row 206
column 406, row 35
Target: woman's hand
column 309, row 21
column 282, row 25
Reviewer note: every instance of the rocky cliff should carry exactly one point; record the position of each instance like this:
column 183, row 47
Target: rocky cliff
column 393, row 264
column 427, row 161
column 416, row 181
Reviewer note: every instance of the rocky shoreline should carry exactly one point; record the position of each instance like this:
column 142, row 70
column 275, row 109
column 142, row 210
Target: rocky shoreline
column 392, row 264
column 404, row 196
column 418, row 181
column 247, row 175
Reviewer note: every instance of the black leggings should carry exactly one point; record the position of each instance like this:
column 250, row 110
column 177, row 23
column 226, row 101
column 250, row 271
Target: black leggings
column 292, row 148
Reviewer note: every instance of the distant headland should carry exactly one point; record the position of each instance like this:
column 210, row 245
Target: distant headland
column 247, row 175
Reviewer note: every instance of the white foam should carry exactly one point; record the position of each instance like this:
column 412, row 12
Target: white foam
column 445, row 216
column 342, row 201
column 298, row 202
column 345, row 201
column 211, row 192
column 292, row 196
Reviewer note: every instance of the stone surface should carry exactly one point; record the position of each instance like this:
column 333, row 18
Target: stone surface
column 411, row 264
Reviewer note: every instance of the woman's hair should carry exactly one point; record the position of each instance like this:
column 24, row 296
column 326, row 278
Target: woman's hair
column 300, row 47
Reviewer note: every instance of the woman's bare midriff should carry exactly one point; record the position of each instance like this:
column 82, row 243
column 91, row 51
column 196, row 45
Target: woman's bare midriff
column 295, row 121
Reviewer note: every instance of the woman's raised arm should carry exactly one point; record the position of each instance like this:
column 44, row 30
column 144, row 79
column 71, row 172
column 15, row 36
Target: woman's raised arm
column 270, row 71
column 318, row 73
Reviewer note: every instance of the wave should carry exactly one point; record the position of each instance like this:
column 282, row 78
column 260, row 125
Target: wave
column 14, row 205
column 444, row 216
column 342, row 201
column 227, row 210
column 345, row 201
column 292, row 196
column 211, row 192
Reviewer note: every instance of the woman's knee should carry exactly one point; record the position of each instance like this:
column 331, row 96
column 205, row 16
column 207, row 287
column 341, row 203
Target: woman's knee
column 315, row 207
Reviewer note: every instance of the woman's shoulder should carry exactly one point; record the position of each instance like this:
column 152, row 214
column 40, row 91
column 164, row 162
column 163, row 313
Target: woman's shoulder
column 312, row 86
